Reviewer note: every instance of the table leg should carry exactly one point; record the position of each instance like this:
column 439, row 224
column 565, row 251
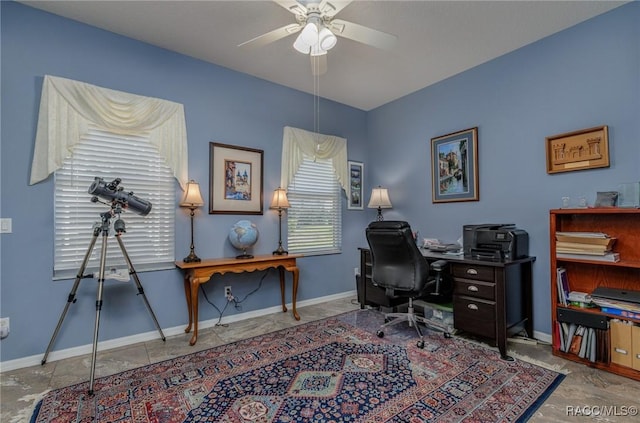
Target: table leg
column 195, row 283
column 284, row 304
column 527, row 295
column 187, row 295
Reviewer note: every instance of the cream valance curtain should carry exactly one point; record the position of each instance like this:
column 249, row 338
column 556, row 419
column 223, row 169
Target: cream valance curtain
column 68, row 107
column 298, row 143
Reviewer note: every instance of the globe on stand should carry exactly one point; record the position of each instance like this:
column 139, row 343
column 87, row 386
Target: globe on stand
column 242, row 235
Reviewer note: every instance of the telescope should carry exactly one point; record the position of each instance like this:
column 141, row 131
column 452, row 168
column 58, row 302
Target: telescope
column 115, row 194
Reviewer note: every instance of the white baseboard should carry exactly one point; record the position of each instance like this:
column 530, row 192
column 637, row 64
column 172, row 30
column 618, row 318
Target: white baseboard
column 541, row 336
column 34, row 360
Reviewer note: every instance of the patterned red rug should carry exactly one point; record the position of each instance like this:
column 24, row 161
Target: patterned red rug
column 333, row 370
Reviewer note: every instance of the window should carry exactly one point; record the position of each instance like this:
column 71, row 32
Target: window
column 315, row 217
column 149, row 240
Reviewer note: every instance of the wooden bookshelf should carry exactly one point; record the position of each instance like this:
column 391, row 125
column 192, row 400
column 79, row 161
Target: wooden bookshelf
column 585, row 274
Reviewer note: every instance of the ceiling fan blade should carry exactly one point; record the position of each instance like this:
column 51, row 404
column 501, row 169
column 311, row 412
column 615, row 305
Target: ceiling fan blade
column 271, row 36
column 318, row 64
column 363, row 34
column 293, row 6
column 331, row 8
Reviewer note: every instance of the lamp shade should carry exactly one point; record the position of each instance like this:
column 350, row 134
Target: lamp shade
column 309, row 33
column 192, row 196
column 379, row 199
column 326, row 39
column 279, row 199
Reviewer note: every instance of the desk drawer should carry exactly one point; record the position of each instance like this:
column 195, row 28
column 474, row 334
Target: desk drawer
column 475, row 272
column 477, row 289
column 475, row 316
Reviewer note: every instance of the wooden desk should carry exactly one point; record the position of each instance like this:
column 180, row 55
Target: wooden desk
column 196, row 274
column 491, row 299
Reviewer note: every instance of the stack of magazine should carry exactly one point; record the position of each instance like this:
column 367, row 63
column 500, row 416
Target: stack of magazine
column 586, row 246
column 624, row 303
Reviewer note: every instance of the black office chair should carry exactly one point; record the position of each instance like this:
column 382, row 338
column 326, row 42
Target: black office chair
column 397, row 266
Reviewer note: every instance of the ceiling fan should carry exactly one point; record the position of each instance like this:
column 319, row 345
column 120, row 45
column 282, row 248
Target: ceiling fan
column 318, row 28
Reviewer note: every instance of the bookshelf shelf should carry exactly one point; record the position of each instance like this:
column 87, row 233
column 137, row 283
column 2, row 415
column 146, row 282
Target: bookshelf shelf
column 622, row 263
column 587, row 274
column 597, row 311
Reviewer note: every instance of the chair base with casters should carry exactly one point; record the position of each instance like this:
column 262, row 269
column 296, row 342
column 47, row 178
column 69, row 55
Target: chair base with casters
column 410, row 316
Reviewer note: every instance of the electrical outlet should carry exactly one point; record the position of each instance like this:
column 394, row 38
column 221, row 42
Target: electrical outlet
column 227, row 293
column 4, row 327
column 5, row 225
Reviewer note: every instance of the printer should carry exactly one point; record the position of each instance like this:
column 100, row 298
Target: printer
column 501, row 241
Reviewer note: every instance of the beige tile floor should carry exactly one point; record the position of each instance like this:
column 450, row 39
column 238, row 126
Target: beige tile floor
column 583, row 391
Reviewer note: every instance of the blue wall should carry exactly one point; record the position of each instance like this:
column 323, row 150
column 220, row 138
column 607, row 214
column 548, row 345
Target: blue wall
column 220, row 105
column 585, row 76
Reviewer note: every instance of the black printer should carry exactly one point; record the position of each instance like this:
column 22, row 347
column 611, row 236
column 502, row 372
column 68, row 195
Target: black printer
column 495, row 241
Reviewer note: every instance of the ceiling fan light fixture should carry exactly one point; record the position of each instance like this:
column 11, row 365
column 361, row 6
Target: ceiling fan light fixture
column 316, row 50
column 309, row 33
column 327, row 39
column 301, row 46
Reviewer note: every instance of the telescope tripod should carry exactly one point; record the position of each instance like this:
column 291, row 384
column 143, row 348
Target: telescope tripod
column 101, row 228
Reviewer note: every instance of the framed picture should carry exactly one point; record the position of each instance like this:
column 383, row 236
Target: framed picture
column 578, row 150
column 454, row 166
column 356, row 173
column 235, row 179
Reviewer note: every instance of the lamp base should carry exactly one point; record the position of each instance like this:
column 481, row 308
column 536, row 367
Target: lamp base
column 280, row 251
column 192, row 258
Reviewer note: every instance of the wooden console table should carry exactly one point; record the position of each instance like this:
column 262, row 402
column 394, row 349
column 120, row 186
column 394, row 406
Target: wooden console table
column 196, row 274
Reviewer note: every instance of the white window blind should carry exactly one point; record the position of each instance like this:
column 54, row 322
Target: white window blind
column 149, row 240
column 315, row 217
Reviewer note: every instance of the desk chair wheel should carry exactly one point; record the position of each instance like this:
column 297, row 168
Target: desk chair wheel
column 420, row 344
column 380, row 334
column 447, row 335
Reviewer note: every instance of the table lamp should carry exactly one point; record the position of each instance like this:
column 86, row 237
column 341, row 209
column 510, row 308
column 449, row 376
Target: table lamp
column 192, row 200
column 279, row 202
column 380, row 200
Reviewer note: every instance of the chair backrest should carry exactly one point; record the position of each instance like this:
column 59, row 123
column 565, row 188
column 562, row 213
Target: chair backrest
column 397, row 262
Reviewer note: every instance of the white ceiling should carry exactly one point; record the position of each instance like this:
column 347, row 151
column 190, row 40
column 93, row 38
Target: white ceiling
column 436, row 39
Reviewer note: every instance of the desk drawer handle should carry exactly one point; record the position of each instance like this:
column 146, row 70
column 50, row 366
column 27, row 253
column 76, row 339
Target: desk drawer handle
column 472, row 288
column 472, row 271
column 472, row 306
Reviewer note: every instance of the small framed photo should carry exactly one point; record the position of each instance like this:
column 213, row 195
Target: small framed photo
column 454, row 167
column 235, row 179
column 356, row 174
column 578, row 150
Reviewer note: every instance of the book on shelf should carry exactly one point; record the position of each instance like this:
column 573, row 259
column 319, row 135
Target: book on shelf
column 607, row 257
column 620, row 312
column 580, row 300
column 587, row 248
column 589, row 238
column 581, row 251
column 616, row 304
column 563, row 285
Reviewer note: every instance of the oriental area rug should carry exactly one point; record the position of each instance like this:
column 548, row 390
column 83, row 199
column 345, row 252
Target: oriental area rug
column 332, row 370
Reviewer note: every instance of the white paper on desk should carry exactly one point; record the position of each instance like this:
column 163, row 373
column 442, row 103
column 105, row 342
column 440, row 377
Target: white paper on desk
column 426, row 242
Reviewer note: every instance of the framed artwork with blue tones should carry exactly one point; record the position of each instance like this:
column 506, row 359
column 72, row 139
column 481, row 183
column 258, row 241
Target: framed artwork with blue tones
column 235, row 179
column 356, row 171
column 454, row 166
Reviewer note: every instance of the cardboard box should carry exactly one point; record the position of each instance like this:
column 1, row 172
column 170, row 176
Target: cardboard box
column 621, row 352
column 635, row 347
